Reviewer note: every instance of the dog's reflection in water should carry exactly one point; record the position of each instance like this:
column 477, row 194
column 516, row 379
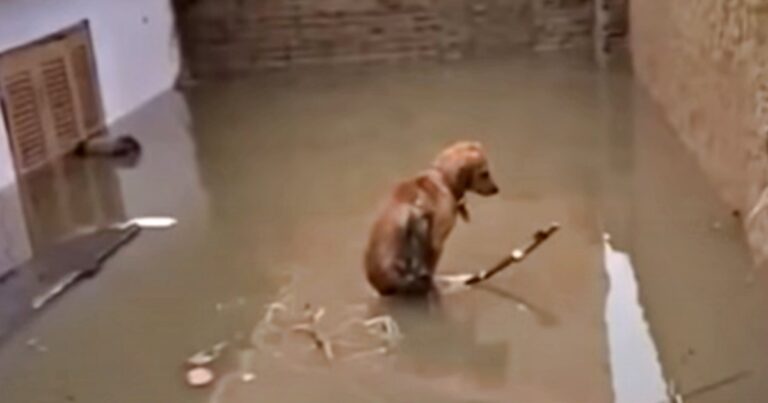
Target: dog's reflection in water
column 438, row 341
column 436, row 344
column 429, row 349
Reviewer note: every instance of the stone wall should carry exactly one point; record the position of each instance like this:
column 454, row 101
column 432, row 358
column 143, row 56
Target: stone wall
column 228, row 37
column 706, row 63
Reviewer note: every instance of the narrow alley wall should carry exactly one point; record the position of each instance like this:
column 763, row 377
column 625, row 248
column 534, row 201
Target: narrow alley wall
column 706, row 64
column 229, row 37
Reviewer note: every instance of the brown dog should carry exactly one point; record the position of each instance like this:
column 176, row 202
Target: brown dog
column 408, row 236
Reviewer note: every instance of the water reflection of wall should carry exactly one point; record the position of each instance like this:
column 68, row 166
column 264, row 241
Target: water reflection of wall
column 68, row 196
column 51, row 204
column 14, row 241
column 72, row 194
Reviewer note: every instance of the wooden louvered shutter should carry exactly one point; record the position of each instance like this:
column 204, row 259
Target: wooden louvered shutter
column 23, row 110
column 59, row 94
column 77, row 48
column 50, row 97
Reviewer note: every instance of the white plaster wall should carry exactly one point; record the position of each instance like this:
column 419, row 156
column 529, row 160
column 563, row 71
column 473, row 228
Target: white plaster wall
column 136, row 53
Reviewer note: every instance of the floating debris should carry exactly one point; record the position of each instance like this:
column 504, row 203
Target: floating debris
column 321, row 342
column 149, row 223
column 208, row 356
column 318, row 315
column 199, row 377
column 272, row 310
column 232, row 304
column 124, row 145
column 335, row 335
column 248, row 377
column 367, row 354
column 36, row 345
column 386, row 328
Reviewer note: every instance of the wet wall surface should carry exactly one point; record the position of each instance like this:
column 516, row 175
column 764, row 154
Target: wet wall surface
column 275, row 180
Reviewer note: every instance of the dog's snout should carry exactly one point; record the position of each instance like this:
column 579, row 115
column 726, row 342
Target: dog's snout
column 489, row 190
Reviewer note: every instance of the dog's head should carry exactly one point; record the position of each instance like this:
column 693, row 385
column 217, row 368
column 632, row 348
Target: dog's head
column 465, row 168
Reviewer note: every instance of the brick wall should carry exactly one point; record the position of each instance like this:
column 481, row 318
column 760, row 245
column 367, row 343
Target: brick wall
column 562, row 24
column 228, row 37
column 706, row 64
column 610, row 26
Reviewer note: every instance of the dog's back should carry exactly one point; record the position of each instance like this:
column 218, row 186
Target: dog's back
column 400, row 257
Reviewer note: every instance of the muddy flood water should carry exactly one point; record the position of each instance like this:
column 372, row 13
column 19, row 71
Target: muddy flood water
column 275, row 180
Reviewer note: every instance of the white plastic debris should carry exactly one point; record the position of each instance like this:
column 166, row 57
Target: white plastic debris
column 248, row 377
column 36, row 345
column 517, row 254
column 206, row 357
column 150, row 222
column 201, row 358
column 232, row 304
column 199, row 377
